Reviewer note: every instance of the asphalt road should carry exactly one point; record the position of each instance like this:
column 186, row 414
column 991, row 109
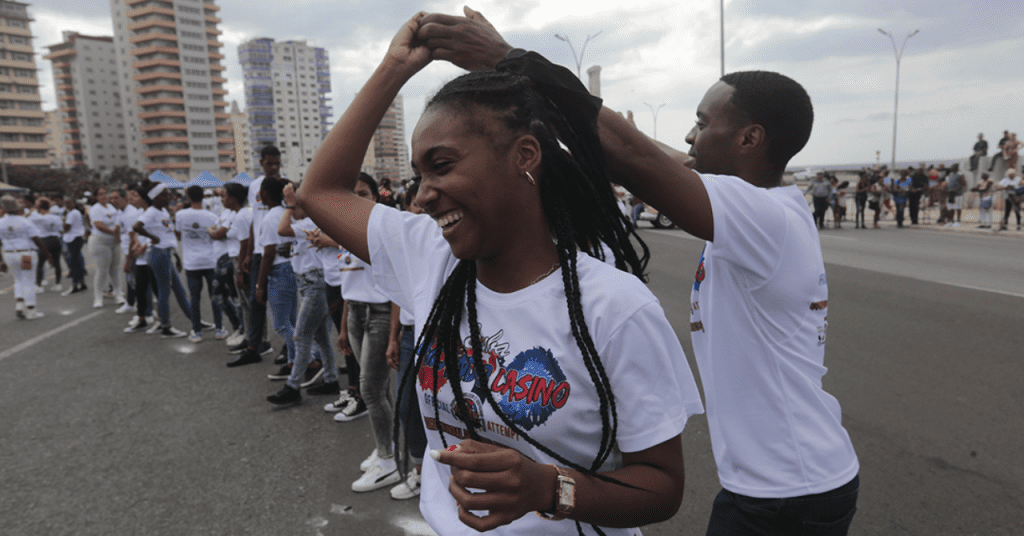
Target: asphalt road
column 107, row 433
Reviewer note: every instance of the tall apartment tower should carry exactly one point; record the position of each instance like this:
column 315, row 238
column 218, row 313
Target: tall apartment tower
column 22, row 132
column 243, row 148
column 391, row 155
column 287, row 99
column 55, row 139
column 85, row 78
column 172, row 86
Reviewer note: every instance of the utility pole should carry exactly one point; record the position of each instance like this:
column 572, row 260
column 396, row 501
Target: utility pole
column 896, row 104
column 654, row 112
column 583, row 51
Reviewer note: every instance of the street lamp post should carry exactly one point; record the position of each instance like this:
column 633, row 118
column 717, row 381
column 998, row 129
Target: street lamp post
column 578, row 59
column 654, row 112
column 896, row 105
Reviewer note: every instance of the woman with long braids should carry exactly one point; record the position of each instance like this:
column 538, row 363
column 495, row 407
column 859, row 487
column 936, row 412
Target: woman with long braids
column 554, row 377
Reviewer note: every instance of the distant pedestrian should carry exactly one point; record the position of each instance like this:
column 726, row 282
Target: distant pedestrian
column 1010, row 185
column 985, row 189
column 956, row 184
column 820, row 189
column 980, row 150
column 50, row 227
column 19, row 240
column 74, row 238
column 860, row 199
column 902, row 190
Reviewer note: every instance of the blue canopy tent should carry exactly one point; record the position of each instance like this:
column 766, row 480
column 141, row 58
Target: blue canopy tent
column 242, row 178
column 205, row 180
column 9, row 188
column 171, row 182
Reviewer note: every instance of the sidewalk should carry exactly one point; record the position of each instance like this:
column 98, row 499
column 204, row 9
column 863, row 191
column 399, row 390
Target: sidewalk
column 969, row 219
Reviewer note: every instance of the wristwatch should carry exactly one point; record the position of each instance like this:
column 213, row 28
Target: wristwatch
column 565, row 493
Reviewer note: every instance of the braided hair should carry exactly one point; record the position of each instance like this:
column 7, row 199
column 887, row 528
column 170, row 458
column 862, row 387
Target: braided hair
column 580, row 207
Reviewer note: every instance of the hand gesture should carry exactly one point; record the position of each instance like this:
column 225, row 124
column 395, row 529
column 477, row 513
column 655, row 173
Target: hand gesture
column 512, row 485
column 289, row 194
column 470, row 42
column 406, row 50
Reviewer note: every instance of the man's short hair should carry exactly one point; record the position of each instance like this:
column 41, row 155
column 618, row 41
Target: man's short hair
column 237, row 191
column 195, row 193
column 780, row 105
column 269, row 150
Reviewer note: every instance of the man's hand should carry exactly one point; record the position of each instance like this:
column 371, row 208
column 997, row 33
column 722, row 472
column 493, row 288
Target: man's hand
column 470, row 42
column 391, row 354
column 343, row 345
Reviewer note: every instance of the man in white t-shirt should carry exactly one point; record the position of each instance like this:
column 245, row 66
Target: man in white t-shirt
column 192, row 227
column 1009, row 185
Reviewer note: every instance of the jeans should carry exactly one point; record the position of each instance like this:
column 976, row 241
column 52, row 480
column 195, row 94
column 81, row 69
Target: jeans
column 106, row 255
column 281, row 298
column 76, row 263
column 822, row 514
column 312, row 326
column 369, row 325
column 223, row 294
column 257, row 311
column 195, row 290
column 415, row 436
column 51, row 244
column 166, row 281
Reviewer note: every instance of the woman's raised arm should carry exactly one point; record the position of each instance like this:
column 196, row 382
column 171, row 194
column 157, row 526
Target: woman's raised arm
column 326, row 194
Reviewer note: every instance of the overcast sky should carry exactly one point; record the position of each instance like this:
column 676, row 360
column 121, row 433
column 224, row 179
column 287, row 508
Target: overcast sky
column 961, row 75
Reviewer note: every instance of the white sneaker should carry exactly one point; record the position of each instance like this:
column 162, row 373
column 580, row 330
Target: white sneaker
column 381, row 474
column 155, row 327
column 221, row 334
column 171, row 332
column 40, row 289
column 194, row 337
column 408, row 489
column 956, row 224
column 339, row 404
column 124, row 309
column 97, row 304
column 369, row 461
column 236, row 338
column 56, row 288
column 32, row 314
column 119, row 298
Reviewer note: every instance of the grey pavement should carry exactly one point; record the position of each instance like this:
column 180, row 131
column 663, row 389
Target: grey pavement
column 109, row 433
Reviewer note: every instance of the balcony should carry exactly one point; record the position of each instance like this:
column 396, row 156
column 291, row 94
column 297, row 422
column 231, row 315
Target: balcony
column 211, row 18
column 153, row 88
column 62, row 76
column 228, row 165
column 226, row 140
column 160, row 100
column 162, row 113
column 227, row 128
column 219, row 91
column 226, row 152
column 152, row 36
column 151, row 23
column 213, row 31
column 137, row 2
column 154, row 50
column 217, row 67
column 216, row 56
column 69, row 98
column 32, row 162
column 71, row 131
column 165, row 152
column 30, row 145
column 210, row 7
column 66, row 53
column 156, row 76
column 167, row 165
column 19, row 129
column 218, row 80
column 148, row 11
column 166, row 139
column 153, row 63
column 222, row 104
column 68, row 120
column 164, row 126
column 17, row 64
column 214, row 44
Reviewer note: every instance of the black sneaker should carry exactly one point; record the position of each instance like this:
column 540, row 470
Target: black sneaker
column 355, row 409
column 138, row 326
column 266, row 349
column 239, row 348
column 325, row 389
column 281, row 374
column 287, row 395
column 282, row 358
column 245, row 358
column 206, row 325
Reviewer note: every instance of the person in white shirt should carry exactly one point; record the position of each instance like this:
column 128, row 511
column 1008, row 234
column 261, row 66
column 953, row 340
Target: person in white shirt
column 136, row 263
column 554, row 378
column 156, row 225
column 119, row 199
column 226, row 247
column 104, row 244
column 74, row 239
column 1010, row 185
column 192, row 226
column 50, row 228
column 275, row 283
column 19, row 241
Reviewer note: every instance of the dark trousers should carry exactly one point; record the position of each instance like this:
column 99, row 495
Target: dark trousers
column 900, row 209
column 822, row 514
column 914, row 200
column 76, row 262
column 820, row 206
column 52, row 244
column 1011, row 203
column 258, row 310
column 143, row 287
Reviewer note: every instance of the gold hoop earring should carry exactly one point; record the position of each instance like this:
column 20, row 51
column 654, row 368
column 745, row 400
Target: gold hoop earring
column 531, row 179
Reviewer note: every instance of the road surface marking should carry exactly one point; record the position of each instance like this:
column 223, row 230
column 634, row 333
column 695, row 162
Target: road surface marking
column 40, row 338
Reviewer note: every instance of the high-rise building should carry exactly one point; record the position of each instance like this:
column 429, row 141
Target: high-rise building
column 287, row 99
column 240, row 127
column 172, row 87
column 22, row 132
column 85, row 78
column 55, row 139
column 391, row 155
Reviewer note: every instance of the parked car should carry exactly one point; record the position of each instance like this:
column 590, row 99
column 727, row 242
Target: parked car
column 658, row 220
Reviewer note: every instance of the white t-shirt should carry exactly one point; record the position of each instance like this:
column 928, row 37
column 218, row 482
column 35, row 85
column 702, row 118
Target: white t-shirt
column 74, row 219
column 1013, row 183
column 259, row 211
column 106, row 214
column 157, row 222
column 228, row 246
column 48, row 224
column 758, row 320
column 126, row 218
column 213, row 204
column 240, row 225
column 57, row 211
column 330, row 260
column 536, row 372
column 196, row 245
column 304, row 255
column 16, row 233
column 357, row 281
column 267, row 235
